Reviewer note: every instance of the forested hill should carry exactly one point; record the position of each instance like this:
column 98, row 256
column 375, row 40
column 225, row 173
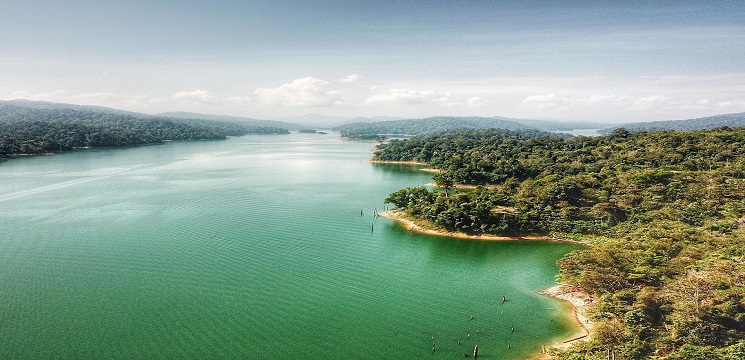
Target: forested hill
column 46, row 105
column 411, row 127
column 665, row 212
column 704, row 123
column 551, row 125
column 424, row 126
column 237, row 119
column 48, row 127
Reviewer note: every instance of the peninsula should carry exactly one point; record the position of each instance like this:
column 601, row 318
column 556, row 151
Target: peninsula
column 662, row 211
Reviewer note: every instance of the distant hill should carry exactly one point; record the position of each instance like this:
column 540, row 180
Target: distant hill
column 703, row 123
column 40, row 127
column 238, row 119
column 314, row 120
column 370, row 119
column 425, row 126
column 371, row 127
column 45, row 105
column 556, row 125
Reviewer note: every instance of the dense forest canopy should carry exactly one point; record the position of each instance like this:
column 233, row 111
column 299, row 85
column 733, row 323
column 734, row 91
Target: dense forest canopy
column 381, row 129
column 664, row 211
column 424, row 126
column 44, row 128
column 704, row 123
column 236, row 119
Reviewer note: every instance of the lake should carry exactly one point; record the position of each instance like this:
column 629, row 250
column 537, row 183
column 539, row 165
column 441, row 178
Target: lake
column 251, row 248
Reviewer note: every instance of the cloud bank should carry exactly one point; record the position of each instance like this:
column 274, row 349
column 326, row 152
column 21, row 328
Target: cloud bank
column 198, row 96
column 666, row 97
column 308, row 91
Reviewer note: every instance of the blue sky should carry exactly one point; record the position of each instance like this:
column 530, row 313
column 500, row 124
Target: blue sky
column 579, row 60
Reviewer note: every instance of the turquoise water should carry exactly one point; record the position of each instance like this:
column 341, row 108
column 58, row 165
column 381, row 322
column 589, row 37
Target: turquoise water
column 250, row 248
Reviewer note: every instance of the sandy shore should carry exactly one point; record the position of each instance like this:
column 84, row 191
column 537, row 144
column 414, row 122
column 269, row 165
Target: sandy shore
column 568, row 293
column 431, row 170
column 459, row 186
column 400, row 216
column 397, row 162
column 579, row 301
column 416, row 163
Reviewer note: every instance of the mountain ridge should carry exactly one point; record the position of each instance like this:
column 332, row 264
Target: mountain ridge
column 230, row 118
column 701, row 123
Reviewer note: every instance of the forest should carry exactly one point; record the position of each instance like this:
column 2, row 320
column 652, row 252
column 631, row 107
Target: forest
column 34, row 130
column 381, row 129
column 704, row 123
column 663, row 214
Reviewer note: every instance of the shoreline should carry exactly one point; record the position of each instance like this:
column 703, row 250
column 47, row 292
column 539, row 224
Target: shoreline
column 564, row 292
column 579, row 301
column 409, row 162
column 411, row 225
column 457, row 186
column 398, row 215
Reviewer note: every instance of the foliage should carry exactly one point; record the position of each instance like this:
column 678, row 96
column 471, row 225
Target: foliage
column 41, row 129
column 667, row 210
column 704, row 123
column 235, row 119
column 424, row 126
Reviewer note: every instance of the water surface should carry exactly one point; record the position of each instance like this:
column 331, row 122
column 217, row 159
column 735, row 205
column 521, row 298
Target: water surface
column 250, row 248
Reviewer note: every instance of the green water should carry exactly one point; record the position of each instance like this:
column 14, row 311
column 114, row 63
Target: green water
column 250, row 248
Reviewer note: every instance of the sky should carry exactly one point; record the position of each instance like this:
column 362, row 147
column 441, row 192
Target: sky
column 606, row 61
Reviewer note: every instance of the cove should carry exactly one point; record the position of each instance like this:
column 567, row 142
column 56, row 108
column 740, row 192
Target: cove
column 251, row 248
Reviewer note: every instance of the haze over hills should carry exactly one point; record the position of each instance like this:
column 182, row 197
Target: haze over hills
column 358, row 126
column 314, row 120
column 361, row 119
column 28, row 128
column 46, row 105
column 447, row 123
column 557, row 125
column 702, row 123
column 425, row 126
column 97, row 111
column 16, row 111
column 246, row 120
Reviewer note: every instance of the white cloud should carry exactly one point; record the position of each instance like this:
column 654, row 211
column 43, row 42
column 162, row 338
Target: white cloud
column 604, row 99
column 98, row 98
column 652, row 102
column 240, row 99
column 351, row 79
column 56, row 95
column 544, row 101
column 19, row 94
column 737, row 103
column 308, row 91
column 198, row 96
column 595, row 102
column 476, row 101
column 700, row 104
column 145, row 101
column 410, row 97
column 98, row 95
